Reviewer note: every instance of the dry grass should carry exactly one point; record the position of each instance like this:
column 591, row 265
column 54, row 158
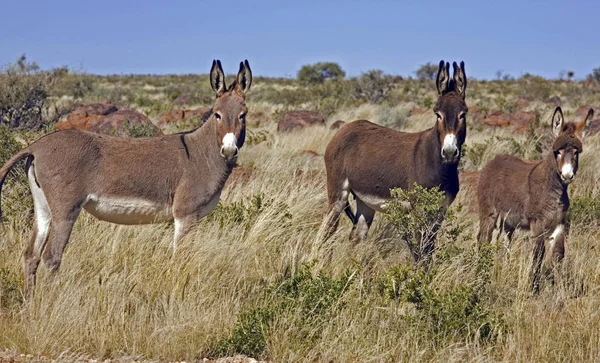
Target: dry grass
column 121, row 294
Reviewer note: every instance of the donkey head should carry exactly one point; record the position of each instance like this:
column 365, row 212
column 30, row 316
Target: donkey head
column 451, row 111
column 230, row 108
column 568, row 143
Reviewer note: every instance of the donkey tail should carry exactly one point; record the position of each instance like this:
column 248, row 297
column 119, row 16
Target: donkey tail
column 6, row 168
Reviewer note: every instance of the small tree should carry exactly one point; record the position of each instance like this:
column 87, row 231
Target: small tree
column 373, row 86
column 427, row 72
column 595, row 75
column 320, row 72
column 416, row 215
column 23, row 93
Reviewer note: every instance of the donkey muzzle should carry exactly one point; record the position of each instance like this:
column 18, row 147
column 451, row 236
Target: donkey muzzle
column 450, row 152
column 567, row 173
column 229, row 150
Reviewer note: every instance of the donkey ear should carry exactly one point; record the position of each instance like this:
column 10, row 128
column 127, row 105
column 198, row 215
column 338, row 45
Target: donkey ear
column 443, row 77
column 582, row 128
column 558, row 121
column 244, row 77
column 217, row 78
column 460, row 78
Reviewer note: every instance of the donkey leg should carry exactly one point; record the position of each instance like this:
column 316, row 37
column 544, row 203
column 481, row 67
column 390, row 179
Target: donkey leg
column 33, row 253
column 538, row 256
column 60, row 232
column 557, row 244
column 183, row 225
column 364, row 219
column 338, row 202
column 487, row 224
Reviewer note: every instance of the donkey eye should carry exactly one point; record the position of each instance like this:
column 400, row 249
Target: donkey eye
column 243, row 117
column 218, row 116
column 463, row 116
column 439, row 117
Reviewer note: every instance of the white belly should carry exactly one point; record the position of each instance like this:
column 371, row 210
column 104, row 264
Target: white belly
column 127, row 210
column 374, row 202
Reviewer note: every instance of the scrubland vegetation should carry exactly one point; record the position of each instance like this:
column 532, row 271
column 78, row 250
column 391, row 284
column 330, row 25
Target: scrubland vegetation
column 250, row 278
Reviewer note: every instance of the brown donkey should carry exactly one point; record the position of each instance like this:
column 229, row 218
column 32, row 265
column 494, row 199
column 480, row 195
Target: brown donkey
column 367, row 160
column 533, row 194
column 132, row 181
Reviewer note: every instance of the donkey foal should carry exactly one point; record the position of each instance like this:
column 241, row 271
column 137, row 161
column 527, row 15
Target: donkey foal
column 533, row 194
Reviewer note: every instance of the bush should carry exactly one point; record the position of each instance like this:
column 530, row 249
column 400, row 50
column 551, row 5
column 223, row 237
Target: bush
column 447, row 314
column 16, row 198
column 427, row 72
column 584, row 209
column 309, row 300
column 415, row 215
column 23, row 94
column 139, row 130
column 10, row 146
column 373, row 86
column 320, row 72
column 10, row 290
column 595, row 75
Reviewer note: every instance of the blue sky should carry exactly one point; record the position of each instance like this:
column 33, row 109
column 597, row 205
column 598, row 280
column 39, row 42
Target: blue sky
column 278, row 37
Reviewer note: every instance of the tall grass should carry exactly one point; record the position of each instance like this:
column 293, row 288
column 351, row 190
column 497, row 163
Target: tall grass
column 250, row 279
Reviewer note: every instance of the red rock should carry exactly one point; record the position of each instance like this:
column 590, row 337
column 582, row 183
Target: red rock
column 240, row 175
column 79, row 118
column 177, row 116
column 522, row 120
column 336, row 125
column 256, row 118
column 522, row 102
column 498, row 120
column 299, row 120
column 118, row 123
column 181, row 100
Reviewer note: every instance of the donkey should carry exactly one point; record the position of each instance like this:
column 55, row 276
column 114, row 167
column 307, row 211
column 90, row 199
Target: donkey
column 132, row 181
column 367, row 160
column 532, row 195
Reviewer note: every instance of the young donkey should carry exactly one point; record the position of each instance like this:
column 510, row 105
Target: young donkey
column 533, row 194
column 367, row 160
column 132, row 181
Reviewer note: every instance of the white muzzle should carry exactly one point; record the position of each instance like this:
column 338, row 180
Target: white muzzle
column 567, row 173
column 450, row 148
column 229, row 150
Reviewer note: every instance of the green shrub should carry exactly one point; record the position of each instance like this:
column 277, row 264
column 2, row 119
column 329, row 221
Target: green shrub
column 320, row 72
column 10, row 290
column 584, row 209
column 427, row 72
column 16, row 198
column 373, row 86
column 308, row 299
column 447, row 314
column 24, row 92
column 9, row 145
column 139, row 130
column 595, row 75
column 257, row 137
column 415, row 215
